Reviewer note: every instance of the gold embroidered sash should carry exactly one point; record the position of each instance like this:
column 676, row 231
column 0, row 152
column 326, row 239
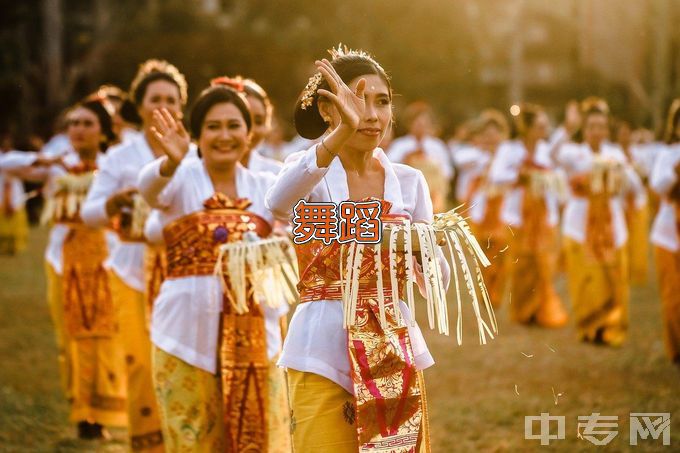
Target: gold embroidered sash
column 387, row 392
column 88, row 306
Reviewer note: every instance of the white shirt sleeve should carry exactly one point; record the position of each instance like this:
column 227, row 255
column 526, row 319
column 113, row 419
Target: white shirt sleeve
column 296, row 181
column 503, row 169
column 663, row 175
column 105, row 184
column 156, row 189
column 13, row 160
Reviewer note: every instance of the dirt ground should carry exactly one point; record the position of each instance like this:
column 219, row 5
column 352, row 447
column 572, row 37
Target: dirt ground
column 478, row 395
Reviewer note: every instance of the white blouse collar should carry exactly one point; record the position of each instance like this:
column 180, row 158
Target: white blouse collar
column 336, row 180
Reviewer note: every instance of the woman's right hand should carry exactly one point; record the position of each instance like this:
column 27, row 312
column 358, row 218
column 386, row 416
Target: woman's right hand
column 173, row 139
column 350, row 104
column 120, row 200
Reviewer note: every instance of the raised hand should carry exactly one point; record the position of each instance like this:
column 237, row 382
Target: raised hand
column 350, row 104
column 171, row 136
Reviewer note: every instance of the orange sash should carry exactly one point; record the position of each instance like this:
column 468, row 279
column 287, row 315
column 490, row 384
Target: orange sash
column 88, row 307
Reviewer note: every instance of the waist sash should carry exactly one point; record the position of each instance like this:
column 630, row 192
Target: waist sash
column 390, row 412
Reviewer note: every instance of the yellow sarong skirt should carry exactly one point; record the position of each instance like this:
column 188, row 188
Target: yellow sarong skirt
column 533, row 298
column 190, row 403
column 638, row 244
column 322, row 415
column 668, row 267
column 144, row 420
column 13, row 231
column 55, row 296
column 599, row 293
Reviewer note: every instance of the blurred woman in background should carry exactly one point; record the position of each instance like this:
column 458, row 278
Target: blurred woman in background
column 594, row 227
column 523, row 169
column 665, row 181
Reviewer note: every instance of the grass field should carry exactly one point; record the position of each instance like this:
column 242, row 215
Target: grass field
column 478, row 395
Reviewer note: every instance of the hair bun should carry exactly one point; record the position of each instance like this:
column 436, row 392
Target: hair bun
column 308, row 121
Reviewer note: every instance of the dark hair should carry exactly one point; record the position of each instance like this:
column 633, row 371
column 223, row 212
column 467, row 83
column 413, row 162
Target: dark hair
column 527, row 117
column 591, row 105
column 129, row 112
column 493, row 118
column 105, row 123
column 252, row 88
column 672, row 122
column 212, row 96
column 153, row 70
column 349, row 65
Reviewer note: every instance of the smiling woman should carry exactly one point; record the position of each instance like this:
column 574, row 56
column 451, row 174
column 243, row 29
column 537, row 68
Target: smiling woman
column 234, row 401
column 360, row 388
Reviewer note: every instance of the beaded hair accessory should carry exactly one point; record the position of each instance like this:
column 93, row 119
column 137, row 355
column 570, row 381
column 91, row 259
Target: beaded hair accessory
column 307, row 98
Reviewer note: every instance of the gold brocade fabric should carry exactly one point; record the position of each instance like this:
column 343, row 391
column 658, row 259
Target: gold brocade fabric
column 599, row 223
column 600, row 228
column 88, row 307
column 388, row 394
column 193, row 240
column 494, row 237
column 192, row 244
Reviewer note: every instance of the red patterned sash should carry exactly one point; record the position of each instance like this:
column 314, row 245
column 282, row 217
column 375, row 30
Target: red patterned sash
column 388, row 394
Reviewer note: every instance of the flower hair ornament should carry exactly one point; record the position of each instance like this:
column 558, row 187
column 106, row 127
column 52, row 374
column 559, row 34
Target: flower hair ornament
column 236, row 83
column 307, row 98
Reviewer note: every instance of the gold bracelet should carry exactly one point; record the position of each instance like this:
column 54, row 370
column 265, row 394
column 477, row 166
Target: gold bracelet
column 327, row 149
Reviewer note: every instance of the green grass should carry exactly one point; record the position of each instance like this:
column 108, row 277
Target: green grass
column 471, row 390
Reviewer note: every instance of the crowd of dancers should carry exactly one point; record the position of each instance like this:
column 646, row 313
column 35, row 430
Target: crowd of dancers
column 150, row 339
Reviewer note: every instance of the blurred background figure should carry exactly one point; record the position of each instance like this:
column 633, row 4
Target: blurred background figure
column 637, row 208
column 665, row 181
column 523, row 169
column 486, row 199
column 595, row 230
column 421, row 149
column 13, row 217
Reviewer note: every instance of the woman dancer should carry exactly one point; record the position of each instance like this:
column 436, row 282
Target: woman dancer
column 212, row 388
column 531, row 209
column 594, row 226
column 113, row 198
column 338, row 403
column 91, row 357
column 665, row 180
column 485, row 206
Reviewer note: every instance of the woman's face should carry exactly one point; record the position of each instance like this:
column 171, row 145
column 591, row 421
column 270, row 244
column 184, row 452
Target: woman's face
column 224, row 136
column 377, row 118
column 262, row 124
column 539, row 130
column 595, row 129
column 624, row 135
column 422, row 125
column 491, row 137
column 84, row 130
column 160, row 94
